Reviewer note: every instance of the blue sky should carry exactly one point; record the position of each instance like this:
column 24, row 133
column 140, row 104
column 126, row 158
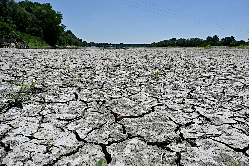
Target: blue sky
column 147, row 21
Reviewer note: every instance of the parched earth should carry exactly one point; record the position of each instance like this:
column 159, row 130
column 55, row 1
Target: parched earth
column 143, row 107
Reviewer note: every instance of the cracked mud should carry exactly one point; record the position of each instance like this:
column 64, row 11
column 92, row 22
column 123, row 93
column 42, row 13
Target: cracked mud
column 138, row 107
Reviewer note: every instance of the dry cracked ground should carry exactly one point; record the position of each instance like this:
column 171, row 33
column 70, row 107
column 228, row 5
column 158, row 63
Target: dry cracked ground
column 143, row 107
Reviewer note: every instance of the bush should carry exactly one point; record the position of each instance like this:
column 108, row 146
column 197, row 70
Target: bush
column 208, row 47
column 8, row 31
column 33, row 40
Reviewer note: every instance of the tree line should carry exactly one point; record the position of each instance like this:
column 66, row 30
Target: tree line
column 35, row 19
column 197, row 42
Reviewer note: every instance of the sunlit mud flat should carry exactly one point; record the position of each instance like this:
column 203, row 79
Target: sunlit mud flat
column 145, row 106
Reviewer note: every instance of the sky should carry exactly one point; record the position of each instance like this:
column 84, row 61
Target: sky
column 147, row 21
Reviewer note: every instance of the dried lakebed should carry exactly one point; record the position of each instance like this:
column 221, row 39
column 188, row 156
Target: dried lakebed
column 141, row 106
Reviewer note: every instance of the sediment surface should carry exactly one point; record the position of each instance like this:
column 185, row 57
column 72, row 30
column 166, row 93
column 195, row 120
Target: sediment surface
column 143, row 107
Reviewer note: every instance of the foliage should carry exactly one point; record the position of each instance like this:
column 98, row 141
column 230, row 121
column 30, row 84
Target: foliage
column 48, row 144
column 213, row 41
column 156, row 75
column 243, row 46
column 228, row 41
column 19, row 96
column 35, row 19
column 196, row 42
column 7, row 31
column 68, row 38
column 33, row 40
column 100, row 94
column 101, row 162
column 208, row 47
column 234, row 162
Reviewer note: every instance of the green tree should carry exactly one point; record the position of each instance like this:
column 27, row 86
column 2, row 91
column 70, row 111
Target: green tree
column 215, row 40
column 180, row 42
column 229, row 41
column 4, row 5
column 209, row 40
column 39, row 20
column 5, row 29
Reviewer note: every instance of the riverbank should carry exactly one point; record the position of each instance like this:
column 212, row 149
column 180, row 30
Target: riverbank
column 53, row 47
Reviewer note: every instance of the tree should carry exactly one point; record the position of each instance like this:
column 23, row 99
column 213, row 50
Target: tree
column 180, row 42
column 4, row 13
column 215, row 40
column 39, row 20
column 210, row 40
column 172, row 42
column 229, row 41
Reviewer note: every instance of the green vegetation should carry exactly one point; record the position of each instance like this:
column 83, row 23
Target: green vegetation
column 196, row 42
column 100, row 94
column 36, row 23
column 19, row 96
column 101, row 162
column 242, row 46
column 128, row 76
column 156, row 75
column 29, row 158
column 48, row 144
column 33, row 41
column 234, row 162
column 208, row 47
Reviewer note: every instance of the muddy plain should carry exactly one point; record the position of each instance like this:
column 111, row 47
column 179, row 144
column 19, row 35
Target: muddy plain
column 141, row 106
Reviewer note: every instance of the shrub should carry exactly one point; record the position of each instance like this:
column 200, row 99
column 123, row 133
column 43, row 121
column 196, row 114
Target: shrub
column 208, row 47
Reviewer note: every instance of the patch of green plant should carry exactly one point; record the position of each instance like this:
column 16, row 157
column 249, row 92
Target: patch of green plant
column 234, row 162
column 128, row 76
column 100, row 94
column 23, row 161
column 48, row 144
column 24, row 93
column 101, row 162
column 33, row 40
column 244, row 74
column 208, row 47
column 243, row 46
column 29, row 158
column 156, row 75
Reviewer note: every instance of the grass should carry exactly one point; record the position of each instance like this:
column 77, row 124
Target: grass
column 100, row 94
column 48, row 144
column 208, row 47
column 156, row 75
column 128, row 76
column 17, row 97
column 242, row 47
column 34, row 41
column 29, row 158
column 101, row 162
column 234, row 162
